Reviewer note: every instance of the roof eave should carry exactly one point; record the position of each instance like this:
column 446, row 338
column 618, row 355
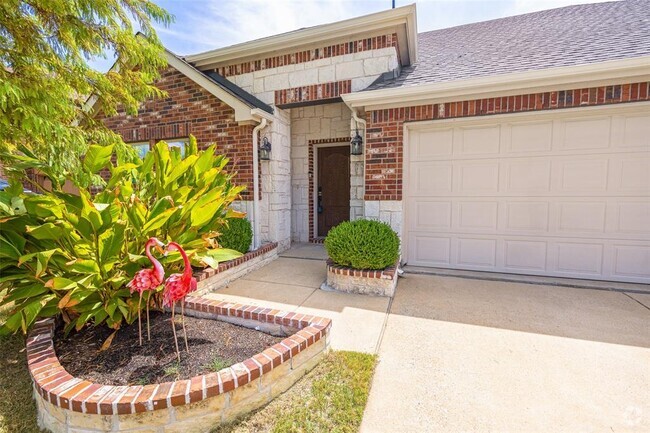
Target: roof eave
column 405, row 15
column 562, row 78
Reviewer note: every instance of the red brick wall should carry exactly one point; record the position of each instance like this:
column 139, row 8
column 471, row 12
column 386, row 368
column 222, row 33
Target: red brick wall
column 385, row 128
column 190, row 109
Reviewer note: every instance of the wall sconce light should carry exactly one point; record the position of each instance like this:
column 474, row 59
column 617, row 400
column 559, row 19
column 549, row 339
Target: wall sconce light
column 265, row 149
column 356, row 144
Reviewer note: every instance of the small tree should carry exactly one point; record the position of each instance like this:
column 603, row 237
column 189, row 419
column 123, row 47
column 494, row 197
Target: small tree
column 46, row 81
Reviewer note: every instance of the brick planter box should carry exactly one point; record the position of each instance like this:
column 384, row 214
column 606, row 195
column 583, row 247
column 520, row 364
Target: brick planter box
column 69, row 404
column 212, row 279
column 367, row 282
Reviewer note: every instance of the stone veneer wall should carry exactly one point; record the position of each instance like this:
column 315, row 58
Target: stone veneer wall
column 361, row 68
column 365, row 282
column 275, row 182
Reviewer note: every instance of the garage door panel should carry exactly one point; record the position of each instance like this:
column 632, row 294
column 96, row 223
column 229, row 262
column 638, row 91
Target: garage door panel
column 430, row 250
column 527, row 176
column 430, row 179
column 631, row 261
column 526, row 216
column 476, row 177
column 476, row 252
column 585, row 133
column 525, row 255
column 529, row 137
column 634, row 218
column 478, row 140
column 579, row 217
column 636, row 132
column 430, row 215
column 565, row 196
column 575, row 258
column 430, row 145
column 632, row 174
column 477, row 216
column 577, row 176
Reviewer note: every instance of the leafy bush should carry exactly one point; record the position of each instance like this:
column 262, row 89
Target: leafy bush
column 71, row 255
column 237, row 235
column 363, row 244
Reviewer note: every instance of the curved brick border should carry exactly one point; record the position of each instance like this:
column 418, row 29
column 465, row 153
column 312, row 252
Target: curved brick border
column 61, row 389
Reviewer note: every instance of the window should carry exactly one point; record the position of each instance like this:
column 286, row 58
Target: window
column 142, row 148
column 180, row 143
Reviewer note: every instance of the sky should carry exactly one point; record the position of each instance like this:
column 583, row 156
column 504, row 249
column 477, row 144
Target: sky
column 202, row 25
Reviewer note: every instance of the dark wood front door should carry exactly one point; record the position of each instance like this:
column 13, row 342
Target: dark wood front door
column 333, row 193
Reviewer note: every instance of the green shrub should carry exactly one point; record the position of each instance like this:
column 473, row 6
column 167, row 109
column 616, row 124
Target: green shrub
column 71, row 255
column 237, row 235
column 363, row 244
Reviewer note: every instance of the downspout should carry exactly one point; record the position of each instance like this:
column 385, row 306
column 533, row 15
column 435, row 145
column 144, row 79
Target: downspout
column 256, row 185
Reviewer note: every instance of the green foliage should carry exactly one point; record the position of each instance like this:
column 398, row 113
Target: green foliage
column 71, row 255
column 363, row 244
column 46, row 82
column 237, row 235
column 218, row 364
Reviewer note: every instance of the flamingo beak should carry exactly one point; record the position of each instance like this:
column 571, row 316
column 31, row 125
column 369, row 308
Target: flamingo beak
column 159, row 247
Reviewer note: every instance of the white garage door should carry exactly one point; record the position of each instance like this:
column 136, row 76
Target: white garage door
column 558, row 193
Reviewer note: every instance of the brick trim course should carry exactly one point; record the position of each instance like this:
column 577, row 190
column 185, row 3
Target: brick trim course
column 61, row 389
column 312, row 93
column 384, row 154
column 366, row 44
column 384, row 274
column 224, row 266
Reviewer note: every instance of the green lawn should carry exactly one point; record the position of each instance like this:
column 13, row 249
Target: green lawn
column 17, row 408
column 331, row 398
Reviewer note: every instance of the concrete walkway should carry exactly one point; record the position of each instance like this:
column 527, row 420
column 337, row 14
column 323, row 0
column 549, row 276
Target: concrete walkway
column 470, row 355
column 293, row 284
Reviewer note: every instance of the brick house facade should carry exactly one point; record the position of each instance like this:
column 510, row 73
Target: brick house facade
column 190, row 109
column 475, row 150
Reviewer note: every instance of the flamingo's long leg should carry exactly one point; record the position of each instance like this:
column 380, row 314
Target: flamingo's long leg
column 187, row 347
column 140, row 318
column 178, row 353
column 148, row 329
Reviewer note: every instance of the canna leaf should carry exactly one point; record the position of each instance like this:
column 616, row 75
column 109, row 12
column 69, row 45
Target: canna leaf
column 97, row 157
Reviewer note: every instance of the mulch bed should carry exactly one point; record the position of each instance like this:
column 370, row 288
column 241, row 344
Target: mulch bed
column 213, row 345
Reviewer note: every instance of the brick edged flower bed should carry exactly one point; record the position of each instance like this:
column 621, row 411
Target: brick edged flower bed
column 66, row 403
column 368, row 282
column 211, row 279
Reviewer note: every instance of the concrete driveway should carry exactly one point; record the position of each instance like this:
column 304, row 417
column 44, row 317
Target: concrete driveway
column 467, row 355
column 461, row 355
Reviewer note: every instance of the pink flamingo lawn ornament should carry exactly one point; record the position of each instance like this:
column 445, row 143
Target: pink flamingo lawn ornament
column 147, row 280
column 177, row 286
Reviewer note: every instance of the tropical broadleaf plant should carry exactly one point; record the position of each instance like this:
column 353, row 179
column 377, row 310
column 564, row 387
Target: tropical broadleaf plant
column 71, row 255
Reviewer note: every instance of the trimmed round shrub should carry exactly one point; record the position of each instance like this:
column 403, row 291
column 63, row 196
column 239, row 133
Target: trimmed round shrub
column 237, row 235
column 363, row 244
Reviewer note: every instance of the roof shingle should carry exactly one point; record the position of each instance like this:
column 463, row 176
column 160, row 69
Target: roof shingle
column 567, row 36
